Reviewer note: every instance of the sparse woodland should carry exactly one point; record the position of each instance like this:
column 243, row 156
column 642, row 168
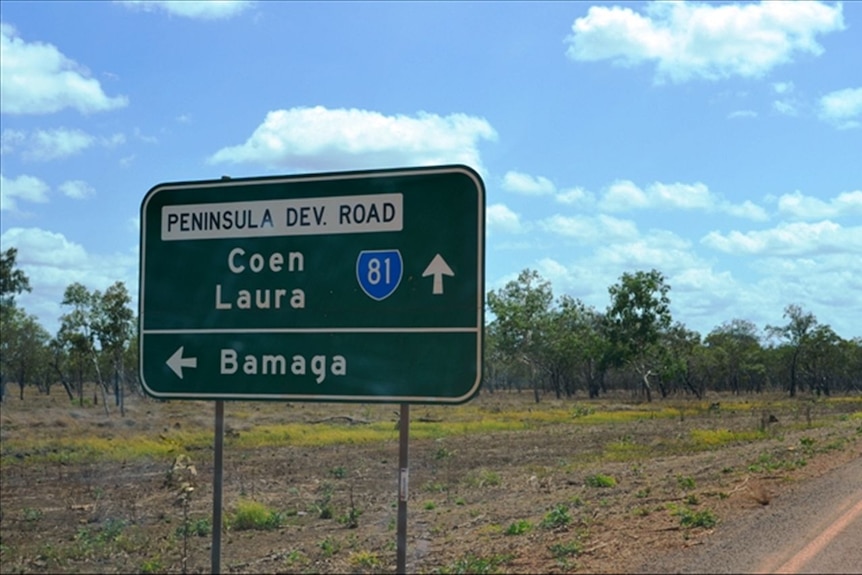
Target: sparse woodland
column 534, row 343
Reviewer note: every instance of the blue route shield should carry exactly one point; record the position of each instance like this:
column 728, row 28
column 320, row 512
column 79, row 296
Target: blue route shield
column 379, row 272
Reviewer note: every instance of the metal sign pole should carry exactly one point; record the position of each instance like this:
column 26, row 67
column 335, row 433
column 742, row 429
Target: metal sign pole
column 404, row 431
column 217, row 486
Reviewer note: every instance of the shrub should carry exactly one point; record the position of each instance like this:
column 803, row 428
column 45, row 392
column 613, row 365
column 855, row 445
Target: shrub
column 254, row 515
column 557, row 517
column 601, row 480
column 519, row 527
column 560, row 550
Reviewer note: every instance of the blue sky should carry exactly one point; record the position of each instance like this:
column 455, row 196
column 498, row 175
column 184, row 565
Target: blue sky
column 718, row 143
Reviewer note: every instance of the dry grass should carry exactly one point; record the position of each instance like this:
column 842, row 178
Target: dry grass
column 86, row 492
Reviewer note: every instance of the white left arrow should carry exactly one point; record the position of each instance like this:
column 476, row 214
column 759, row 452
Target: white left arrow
column 177, row 362
column 438, row 268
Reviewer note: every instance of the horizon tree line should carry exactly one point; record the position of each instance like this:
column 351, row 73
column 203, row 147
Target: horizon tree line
column 534, row 342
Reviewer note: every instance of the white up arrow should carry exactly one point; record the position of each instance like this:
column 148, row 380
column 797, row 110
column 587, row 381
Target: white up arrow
column 438, row 268
column 177, row 362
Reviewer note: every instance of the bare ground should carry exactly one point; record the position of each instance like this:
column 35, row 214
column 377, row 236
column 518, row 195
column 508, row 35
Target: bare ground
column 505, row 501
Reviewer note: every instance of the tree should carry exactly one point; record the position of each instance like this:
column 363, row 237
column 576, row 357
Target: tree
column 112, row 325
column 24, row 347
column 12, row 281
column 736, row 351
column 577, row 343
column 683, row 360
column 77, row 335
column 822, row 359
column 797, row 333
column 638, row 313
column 521, row 312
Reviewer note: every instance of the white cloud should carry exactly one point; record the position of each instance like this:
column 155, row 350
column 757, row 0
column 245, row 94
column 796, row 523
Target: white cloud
column 785, row 107
column 322, row 139
column 799, row 206
column 625, row 195
column 736, row 114
column 574, row 196
column 681, row 196
column 27, row 188
column 52, row 262
column 602, row 228
column 789, row 239
column 499, row 218
column 77, row 189
column 196, row 9
column 842, row 108
column 695, row 40
column 783, row 87
column 747, row 210
column 39, row 79
column 113, row 141
column 660, row 249
column 48, row 145
column 527, row 185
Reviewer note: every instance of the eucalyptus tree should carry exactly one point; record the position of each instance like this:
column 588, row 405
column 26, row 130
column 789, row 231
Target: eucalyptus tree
column 23, row 347
column 684, row 361
column 77, row 336
column 737, row 356
column 797, row 335
column 823, row 359
column 112, row 324
column 577, row 344
column 521, row 309
column 638, row 314
column 13, row 281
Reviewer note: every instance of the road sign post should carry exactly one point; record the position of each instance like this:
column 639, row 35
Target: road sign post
column 352, row 286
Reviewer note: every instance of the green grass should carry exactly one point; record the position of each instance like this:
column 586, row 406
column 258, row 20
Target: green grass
column 568, row 549
column 689, row 518
column 253, row 515
column 600, row 480
column 557, row 517
column 519, row 527
column 129, row 444
column 476, row 564
column 712, row 438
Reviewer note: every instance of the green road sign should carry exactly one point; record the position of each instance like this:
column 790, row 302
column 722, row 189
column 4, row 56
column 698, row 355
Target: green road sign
column 351, row 286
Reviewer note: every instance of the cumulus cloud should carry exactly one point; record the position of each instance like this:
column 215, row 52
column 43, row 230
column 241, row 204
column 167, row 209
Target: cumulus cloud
column 53, row 144
column 625, row 195
column 52, row 262
column 195, row 9
column 842, row 108
column 802, row 207
column 47, row 145
column 39, row 79
column 589, row 229
column 573, row 196
column 659, row 249
column 499, row 218
column 694, row 40
column 737, row 114
column 322, row 139
column 796, row 239
column 77, row 189
column 26, row 188
column 527, row 185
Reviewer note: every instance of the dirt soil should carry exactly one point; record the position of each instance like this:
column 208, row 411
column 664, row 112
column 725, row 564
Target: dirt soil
column 524, row 501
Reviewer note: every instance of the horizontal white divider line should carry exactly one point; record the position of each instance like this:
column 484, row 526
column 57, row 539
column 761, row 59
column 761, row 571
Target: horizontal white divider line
column 318, row 330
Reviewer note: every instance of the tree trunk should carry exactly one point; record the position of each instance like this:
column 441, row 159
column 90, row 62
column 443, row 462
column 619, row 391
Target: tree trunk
column 646, row 386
